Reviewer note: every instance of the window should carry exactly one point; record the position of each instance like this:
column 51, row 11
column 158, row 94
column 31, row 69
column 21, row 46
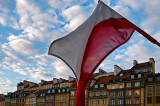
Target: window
column 128, row 101
column 49, row 91
column 65, row 97
column 59, row 90
column 61, row 104
column 57, row 98
column 51, row 97
column 112, row 93
column 72, row 93
column 63, row 90
column 91, row 102
column 136, row 92
column 112, row 102
column 72, row 102
column 158, row 78
column 91, row 94
column 96, row 86
column 65, row 104
column 113, row 87
column 120, row 101
column 128, row 85
column 132, row 76
column 61, row 97
column 97, row 94
column 158, row 88
column 104, row 93
column 128, row 93
column 137, row 84
column 47, row 98
column 149, row 88
column 53, row 90
column 121, row 74
column 120, row 85
column 149, row 100
column 157, row 99
column 103, row 102
column 56, row 104
column 150, row 79
column 97, row 102
column 120, row 93
column 136, row 101
column 101, row 85
column 139, row 75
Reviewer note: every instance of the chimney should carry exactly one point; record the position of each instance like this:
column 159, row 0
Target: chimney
column 152, row 61
column 61, row 80
column 102, row 71
column 42, row 82
column 117, row 69
column 55, row 80
column 71, row 79
column 135, row 62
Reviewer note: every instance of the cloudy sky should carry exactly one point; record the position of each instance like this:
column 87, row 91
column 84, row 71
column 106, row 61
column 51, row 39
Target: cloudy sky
column 27, row 27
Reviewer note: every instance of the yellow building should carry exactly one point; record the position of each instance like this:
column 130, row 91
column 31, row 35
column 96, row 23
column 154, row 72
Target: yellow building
column 62, row 97
column 152, row 89
column 98, row 94
column 31, row 100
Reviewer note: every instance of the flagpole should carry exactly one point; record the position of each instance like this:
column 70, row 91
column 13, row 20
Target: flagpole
column 146, row 35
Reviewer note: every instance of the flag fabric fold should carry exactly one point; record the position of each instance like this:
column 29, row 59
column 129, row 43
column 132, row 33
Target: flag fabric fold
column 88, row 45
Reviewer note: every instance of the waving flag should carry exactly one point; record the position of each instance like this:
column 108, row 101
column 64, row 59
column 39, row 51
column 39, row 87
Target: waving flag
column 87, row 46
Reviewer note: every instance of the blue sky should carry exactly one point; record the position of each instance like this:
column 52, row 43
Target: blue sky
column 27, row 27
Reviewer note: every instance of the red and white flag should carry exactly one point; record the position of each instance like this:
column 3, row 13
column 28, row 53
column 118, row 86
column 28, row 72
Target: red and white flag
column 87, row 46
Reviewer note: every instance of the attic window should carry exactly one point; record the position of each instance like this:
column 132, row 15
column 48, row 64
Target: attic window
column 158, row 78
column 59, row 90
column 101, row 85
column 63, row 90
column 121, row 74
column 139, row 75
column 96, row 86
column 150, row 79
column 53, row 90
column 132, row 76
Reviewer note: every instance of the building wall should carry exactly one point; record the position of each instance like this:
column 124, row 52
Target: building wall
column 21, row 101
column 62, row 99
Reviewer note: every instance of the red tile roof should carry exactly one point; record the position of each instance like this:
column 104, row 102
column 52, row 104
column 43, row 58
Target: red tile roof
column 20, row 84
column 36, row 85
column 142, row 64
column 125, row 74
column 104, row 79
column 40, row 91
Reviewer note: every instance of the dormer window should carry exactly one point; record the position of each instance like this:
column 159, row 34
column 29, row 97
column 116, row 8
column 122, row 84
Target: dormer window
column 96, row 86
column 43, row 94
column 59, row 90
column 150, row 79
column 139, row 75
column 53, row 90
column 158, row 78
column 121, row 74
column 67, row 90
column 101, row 85
column 63, row 90
column 113, row 87
column 132, row 76
column 120, row 85
column 137, row 84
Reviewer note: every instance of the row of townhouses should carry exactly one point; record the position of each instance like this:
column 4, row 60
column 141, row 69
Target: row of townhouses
column 138, row 86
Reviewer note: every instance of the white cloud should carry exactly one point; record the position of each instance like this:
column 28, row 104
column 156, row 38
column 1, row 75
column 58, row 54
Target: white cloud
column 62, row 71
